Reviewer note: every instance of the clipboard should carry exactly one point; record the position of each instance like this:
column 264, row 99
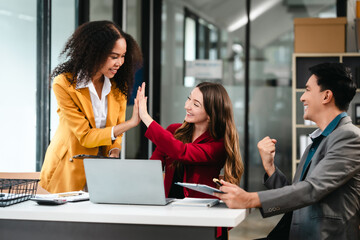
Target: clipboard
column 200, row 188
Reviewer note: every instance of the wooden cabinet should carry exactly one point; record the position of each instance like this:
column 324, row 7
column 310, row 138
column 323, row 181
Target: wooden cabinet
column 300, row 74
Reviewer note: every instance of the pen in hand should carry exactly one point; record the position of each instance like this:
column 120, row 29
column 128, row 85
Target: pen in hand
column 217, row 181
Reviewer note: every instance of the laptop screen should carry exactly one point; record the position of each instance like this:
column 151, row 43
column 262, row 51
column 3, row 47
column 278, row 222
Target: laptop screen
column 125, row 181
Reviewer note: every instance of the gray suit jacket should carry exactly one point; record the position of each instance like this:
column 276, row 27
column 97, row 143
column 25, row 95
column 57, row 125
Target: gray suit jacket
column 326, row 204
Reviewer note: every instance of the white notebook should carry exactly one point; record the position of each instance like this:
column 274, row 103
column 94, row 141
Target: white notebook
column 196, row 202
column 68, row 196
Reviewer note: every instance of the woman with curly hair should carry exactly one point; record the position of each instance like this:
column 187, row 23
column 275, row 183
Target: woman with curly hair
column 196, row 150
column 91, row 87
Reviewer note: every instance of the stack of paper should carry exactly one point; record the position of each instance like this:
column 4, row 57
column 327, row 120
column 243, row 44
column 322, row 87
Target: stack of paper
column 196, row 202
column 68, row 196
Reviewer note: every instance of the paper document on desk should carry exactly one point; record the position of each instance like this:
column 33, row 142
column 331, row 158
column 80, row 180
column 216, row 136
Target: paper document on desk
column 196, row 202
column 68, row 196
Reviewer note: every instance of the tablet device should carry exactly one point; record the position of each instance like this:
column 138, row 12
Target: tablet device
column 200, row 188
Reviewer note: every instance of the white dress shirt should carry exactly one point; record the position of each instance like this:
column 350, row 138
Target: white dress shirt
column 99, row 106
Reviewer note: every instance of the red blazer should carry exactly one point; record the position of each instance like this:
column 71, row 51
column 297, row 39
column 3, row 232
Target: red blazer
column 203, row 159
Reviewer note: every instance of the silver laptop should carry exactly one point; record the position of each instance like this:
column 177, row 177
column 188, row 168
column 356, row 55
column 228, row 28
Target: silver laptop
column 125, row 181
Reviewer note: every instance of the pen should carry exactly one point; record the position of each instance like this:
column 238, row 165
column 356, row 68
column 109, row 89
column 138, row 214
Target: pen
column 215, row 180
column 69, row 194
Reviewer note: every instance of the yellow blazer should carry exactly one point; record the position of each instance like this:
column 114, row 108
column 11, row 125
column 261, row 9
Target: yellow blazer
column 77, row 134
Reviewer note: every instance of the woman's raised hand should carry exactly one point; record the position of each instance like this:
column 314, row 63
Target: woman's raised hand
column 142, row 101
column 133, row 121
column 135, row 118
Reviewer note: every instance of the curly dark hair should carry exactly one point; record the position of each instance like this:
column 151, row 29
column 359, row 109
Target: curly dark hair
column 88, row 48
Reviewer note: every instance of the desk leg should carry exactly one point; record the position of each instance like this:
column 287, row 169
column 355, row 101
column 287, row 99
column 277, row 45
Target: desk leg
column 224, row 234
column 45, row 230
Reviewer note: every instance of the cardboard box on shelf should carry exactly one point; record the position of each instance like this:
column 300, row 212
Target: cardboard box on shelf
column 319, row 35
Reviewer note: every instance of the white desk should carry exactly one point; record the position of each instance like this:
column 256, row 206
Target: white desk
column 85, row 220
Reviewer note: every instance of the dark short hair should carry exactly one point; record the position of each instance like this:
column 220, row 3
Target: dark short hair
column 337, row 78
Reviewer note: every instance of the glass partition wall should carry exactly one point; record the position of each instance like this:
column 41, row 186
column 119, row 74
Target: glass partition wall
column 19, row 84
column 132, row 138
column 186, row 36
column 208, row 30
column 271, row 50
column 61, row 29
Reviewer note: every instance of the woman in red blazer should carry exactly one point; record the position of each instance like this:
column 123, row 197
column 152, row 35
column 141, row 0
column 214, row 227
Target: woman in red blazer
column 197, row 150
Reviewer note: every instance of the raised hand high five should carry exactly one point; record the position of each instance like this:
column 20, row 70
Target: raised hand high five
column 142, row 100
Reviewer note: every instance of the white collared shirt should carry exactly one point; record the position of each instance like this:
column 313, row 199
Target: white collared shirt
column 99, row 106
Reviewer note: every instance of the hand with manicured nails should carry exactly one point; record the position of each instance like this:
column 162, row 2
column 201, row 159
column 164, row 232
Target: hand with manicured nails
column 135, row 118
column 143, row 113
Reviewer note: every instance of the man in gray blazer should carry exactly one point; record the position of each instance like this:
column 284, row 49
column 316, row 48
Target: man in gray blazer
column 323, row 201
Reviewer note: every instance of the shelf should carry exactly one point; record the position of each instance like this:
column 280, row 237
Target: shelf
column 306, row 126
column 311, row 126
column 301, row 90
column 348, row 54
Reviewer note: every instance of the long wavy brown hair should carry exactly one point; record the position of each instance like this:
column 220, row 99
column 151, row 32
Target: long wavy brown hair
column 218, row 106
column 88, row 48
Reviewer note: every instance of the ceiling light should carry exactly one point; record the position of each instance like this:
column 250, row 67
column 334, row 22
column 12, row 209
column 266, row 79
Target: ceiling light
column 255, row 13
